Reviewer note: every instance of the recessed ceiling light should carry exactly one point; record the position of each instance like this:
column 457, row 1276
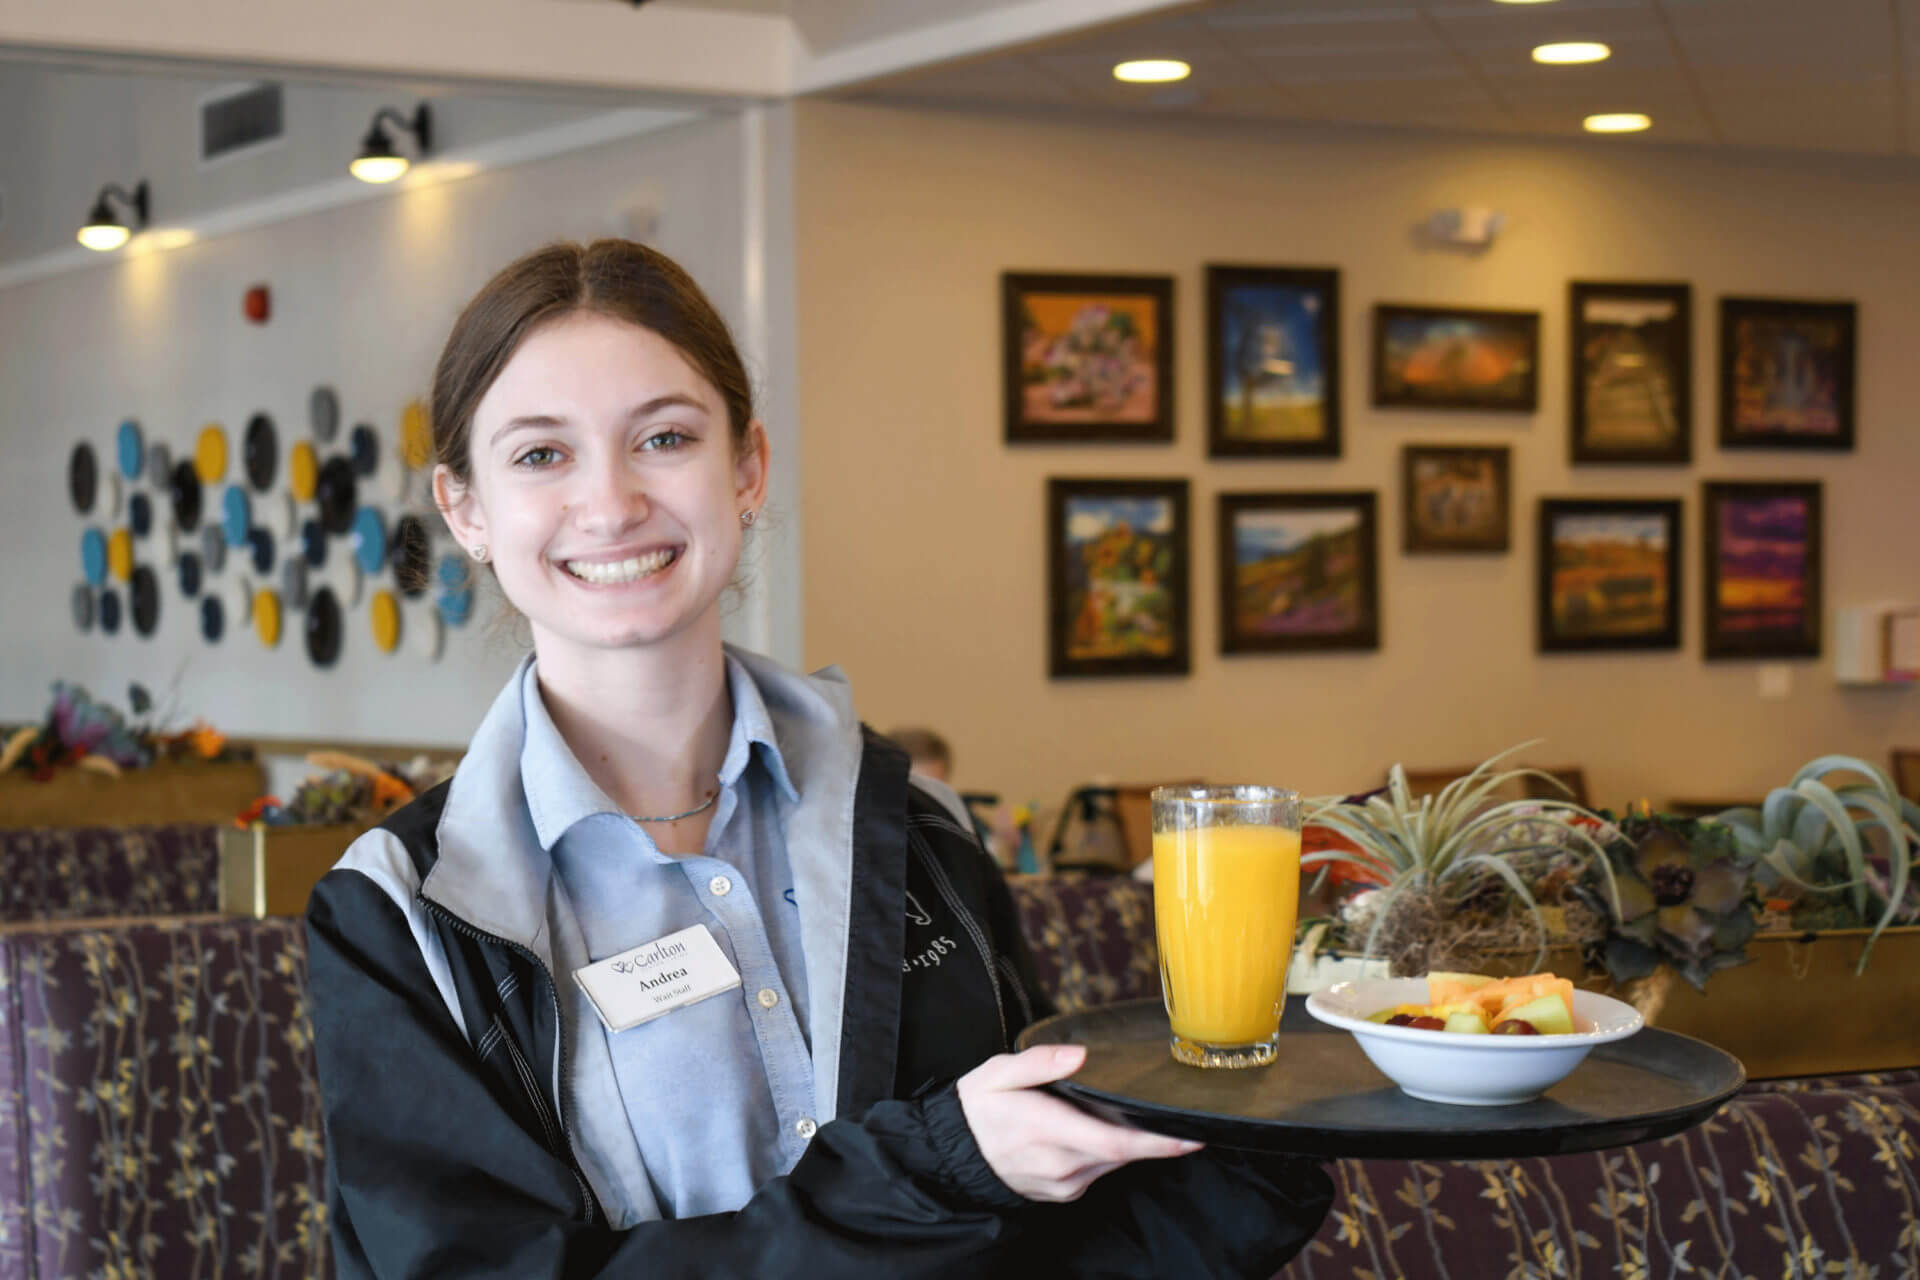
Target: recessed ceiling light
column 1569, row 52
column 1523, row 1
column 1152, row 71
column 1616, row 122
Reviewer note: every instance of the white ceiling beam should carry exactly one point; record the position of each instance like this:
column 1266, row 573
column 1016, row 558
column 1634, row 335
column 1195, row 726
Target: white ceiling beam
column 710, row 53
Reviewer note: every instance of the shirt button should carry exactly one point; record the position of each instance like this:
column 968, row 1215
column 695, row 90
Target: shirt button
column 719, row 886
column 768, row 998
column 805, row 1127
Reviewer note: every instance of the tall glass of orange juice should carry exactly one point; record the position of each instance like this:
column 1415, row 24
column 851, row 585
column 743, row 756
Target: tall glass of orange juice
column 1226, row 887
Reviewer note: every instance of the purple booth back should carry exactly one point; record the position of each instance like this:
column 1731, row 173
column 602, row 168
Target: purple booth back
column 70, row 873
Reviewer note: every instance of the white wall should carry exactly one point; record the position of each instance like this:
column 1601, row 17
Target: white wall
column 363, row 295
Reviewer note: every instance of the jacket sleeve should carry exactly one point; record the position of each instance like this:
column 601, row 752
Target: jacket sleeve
column 429, row 1175
column 1217, row 1213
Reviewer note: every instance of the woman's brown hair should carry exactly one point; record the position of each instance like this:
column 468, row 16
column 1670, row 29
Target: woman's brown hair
column 617, row 278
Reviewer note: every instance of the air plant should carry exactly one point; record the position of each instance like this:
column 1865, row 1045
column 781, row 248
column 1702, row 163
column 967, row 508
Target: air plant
column 1820, row 839
column 1405, row 844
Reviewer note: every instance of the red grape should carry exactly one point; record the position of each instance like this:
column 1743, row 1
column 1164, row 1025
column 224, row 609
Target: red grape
column 1515, row 1027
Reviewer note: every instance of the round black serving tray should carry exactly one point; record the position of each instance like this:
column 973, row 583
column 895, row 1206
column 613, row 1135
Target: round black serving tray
column 1323, row 1097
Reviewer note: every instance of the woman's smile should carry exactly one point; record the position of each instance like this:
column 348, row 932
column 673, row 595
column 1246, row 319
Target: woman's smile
column 622, row 570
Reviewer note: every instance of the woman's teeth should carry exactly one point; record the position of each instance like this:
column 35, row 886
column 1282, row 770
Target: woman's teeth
column 611, row 572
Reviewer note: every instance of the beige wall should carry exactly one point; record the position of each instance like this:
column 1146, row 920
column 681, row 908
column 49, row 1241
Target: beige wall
column 924, row 554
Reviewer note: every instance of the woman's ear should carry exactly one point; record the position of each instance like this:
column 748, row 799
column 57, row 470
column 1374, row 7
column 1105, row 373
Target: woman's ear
column 459, row 508
column 750, row 469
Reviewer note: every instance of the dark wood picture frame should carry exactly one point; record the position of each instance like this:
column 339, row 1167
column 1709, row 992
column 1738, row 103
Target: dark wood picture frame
column 1222, row 283
column 1156, row 291
column 1844, row 316
column 1390, row 392
column 1419, row 533
column 1669, row 349
column 1364, row 633
column 1800, row 639
column 1551, row 634
column 1061, row 602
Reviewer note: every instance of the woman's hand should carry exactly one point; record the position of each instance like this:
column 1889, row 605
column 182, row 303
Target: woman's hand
column 1040, row 1146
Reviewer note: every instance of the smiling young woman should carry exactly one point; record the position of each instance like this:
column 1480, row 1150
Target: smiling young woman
column 626, row 995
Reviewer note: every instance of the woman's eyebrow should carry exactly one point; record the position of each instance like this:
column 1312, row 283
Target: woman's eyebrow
column 545, row 421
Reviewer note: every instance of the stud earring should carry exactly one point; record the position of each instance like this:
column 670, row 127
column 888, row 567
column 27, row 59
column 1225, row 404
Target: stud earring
column 478, row 552
column 748, row 517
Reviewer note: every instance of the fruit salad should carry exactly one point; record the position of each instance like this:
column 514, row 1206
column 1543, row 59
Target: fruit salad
column 1538, row 1004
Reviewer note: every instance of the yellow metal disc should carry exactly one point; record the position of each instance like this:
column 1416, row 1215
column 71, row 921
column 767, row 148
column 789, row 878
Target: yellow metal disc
column 120, row 554
column 266, row 617
column 385, row 616
column 416, row 435
column 210, row 454
column 303, row 471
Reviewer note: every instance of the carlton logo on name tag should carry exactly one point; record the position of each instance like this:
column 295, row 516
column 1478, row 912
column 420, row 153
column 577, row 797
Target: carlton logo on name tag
column 657, row 977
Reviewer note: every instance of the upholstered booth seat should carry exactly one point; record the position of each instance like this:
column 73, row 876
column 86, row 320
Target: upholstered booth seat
column 63, row 873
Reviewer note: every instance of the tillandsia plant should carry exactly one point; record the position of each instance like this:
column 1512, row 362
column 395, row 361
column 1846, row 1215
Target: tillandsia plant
column 1857, row 842
column 1682, row 895
column 1411, row 846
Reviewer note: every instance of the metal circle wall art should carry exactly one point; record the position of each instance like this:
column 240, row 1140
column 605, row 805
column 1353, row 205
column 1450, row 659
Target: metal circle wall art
column 127, row 445
column 110, row 612
column 213, row 621
column 383, row 618
column 260, row 451
column 323, row 628
column 93, row 556
column 293, row 582
column 323, row 409
column 240, row 601
column 169, row 537
column 369, row 539
column 143, row 599
column 159, row 464
column 189, row 574
column 289, row 512
column 454, row 599
column 346, row 579
column 113, row 492
column 313, row 543
column 183, row 488
column 416, row 434
column 83, row 477
column 426, row 634
column 213, row 548
column 266, row 618
column 303, row 471
column 81, row 603
column 410, row 555
column 363, row 450
column 140, row 514
column 120, row 554
column 261, row 542
column 336, row 495
column 236, row 515
column 210, row 454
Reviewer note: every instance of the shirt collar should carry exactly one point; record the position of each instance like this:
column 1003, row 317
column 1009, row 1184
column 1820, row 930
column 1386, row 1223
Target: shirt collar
column 560, row 792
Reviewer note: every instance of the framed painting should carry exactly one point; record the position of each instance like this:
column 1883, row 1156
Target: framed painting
column 1762, row 569
column 1632, row 366
column 1455, row 498
column 1087, row 358
column 1298, row 572
column 1609, row 574
column 1117, row 579
column 1455, row 358
column 1786, row 374
column 1273, row 362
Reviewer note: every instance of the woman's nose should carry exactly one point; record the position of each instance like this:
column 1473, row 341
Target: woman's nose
column 609, row 500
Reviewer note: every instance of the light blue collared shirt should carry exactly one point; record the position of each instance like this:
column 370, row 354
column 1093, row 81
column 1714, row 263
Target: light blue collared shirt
column 688, row 1113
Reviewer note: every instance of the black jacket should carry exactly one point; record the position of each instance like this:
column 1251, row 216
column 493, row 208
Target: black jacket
column 444, row 1160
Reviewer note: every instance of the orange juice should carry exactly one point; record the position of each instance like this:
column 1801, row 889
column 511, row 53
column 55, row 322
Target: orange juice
column 1224, row 904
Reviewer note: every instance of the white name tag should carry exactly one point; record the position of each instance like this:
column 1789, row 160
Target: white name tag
column 657, row 977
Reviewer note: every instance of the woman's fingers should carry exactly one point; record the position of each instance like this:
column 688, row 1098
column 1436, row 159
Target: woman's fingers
column 1042, row 1064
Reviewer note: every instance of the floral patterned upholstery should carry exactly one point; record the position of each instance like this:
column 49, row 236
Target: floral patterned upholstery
column 164, row 1119
column 1091, row 935
column 68, row 873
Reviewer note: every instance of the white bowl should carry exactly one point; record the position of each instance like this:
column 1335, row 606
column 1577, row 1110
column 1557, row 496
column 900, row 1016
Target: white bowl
column 1469, row 1070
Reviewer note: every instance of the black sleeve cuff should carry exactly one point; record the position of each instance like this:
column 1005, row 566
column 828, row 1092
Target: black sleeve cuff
column 930, row 1138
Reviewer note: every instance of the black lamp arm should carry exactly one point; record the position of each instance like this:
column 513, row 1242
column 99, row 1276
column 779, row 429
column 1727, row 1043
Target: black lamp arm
column 420, row 124
column 135, row 200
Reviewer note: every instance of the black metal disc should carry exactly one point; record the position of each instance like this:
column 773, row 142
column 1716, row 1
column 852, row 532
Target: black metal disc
column 83, row 607
column 313, row 543
column 410, row 555
column 260, row 539
column 189, row 573
column 260, row 451
column 335, row 493
column 140, row 514
column 363, row 447
column 184, row 489
column 213, row 619
column 143, row 593
column 83, row 477
column 109, row 611
column 323, row 628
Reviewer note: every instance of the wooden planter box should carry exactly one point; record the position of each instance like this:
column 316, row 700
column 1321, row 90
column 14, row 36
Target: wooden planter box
column 269, row 871
column 164, row 792
column 1796, row 1008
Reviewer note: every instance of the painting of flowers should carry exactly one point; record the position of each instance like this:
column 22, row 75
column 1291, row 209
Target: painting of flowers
column 1088, row 358
column 1298, row 571
column 1609, row 574
column 1273, row 361
column 1118, row 577
column 1786, row 374
column 1763, row 569
column 1455, row 358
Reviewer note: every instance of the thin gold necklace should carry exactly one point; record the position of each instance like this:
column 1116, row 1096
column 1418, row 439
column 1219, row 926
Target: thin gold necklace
column 702, row 807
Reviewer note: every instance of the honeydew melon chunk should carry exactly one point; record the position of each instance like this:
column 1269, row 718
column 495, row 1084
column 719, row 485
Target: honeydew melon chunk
column 1381, row 1015
column 1551, row 1014
column 1470, row 1023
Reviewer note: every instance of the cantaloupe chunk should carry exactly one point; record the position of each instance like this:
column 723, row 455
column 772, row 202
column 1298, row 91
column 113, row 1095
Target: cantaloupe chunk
column 1443, row 986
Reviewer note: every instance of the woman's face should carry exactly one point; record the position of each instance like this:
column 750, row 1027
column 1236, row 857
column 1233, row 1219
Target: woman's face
column 606, row 487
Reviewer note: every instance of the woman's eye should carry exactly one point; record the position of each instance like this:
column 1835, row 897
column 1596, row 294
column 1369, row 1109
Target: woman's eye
column 538, row 456
column 665, row 440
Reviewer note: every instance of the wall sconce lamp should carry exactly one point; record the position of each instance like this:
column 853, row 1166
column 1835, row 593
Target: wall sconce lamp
column 378, row 161
column 106, row 230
